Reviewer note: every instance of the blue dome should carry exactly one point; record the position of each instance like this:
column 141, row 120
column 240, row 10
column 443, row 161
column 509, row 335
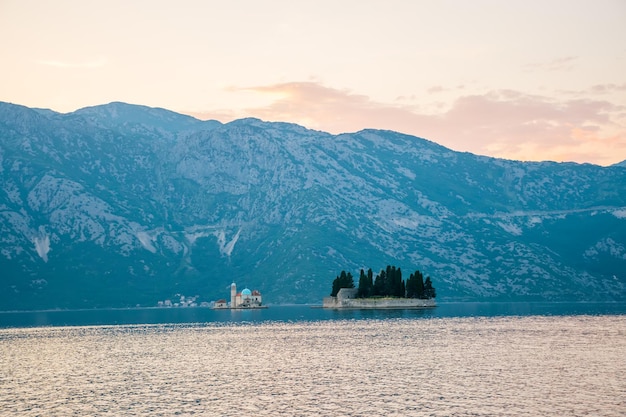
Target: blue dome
column 246, row 292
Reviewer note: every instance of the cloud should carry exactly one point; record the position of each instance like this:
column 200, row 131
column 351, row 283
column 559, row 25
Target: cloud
column 514, row 125
column 435, row 89
column 315, row 106
column 440, row 89
column 611, row 89
column 502, row 123
column 90, row 64
column 565, row 63
column 608, row 88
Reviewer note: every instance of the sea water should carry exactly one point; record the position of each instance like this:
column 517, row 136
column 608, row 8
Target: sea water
column 308, row 362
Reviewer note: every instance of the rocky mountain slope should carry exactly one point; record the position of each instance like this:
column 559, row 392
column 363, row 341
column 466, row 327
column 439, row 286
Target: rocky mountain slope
column 120, row 205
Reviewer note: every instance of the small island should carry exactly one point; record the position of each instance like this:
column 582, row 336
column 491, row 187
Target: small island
column 243, row 300
column 387, row 290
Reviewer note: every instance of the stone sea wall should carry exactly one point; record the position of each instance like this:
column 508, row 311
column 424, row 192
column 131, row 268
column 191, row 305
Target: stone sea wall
column 345, row 299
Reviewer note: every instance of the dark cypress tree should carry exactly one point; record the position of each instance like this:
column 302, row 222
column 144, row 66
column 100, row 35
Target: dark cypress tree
column 336, row 287
column 419, row 285
column 398, row 284
column 370, row 282
column 429, row 290
column 362, row 291
column 349, row 283
column 344, row 280
column 411, row 287
column 379, row 283
column 390, row 280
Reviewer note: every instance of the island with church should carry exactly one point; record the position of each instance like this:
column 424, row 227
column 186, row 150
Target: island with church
column 246, row 299
column 388, row 290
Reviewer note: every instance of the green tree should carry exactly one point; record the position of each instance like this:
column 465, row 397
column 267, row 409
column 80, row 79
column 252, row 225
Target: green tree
column 420, row 284
column 380, row 283
column 390, row 273
column 411, row 286
column 349, row 283
column 429, row 290
column 370, row 282
column 365, row 284
column 398, row 286
column 393, row 282
column 336, row 287
column 415, row 285
column 344, row 280
column 362, row 291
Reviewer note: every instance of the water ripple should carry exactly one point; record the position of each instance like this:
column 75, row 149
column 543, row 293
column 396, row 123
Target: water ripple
column 508, row 366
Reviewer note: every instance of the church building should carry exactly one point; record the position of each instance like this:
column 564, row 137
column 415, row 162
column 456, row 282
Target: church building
column 245, row 298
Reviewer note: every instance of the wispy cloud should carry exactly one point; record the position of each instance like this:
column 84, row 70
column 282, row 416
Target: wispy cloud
column 502, row 123
column 89, row 64
column 616, row 90
column 608, row 88
column 564, row 63
column 436, row 89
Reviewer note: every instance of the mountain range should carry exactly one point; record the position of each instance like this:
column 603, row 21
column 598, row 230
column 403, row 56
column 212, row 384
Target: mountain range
column 122, row 205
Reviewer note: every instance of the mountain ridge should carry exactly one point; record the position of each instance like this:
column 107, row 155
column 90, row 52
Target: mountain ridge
column 101, row 212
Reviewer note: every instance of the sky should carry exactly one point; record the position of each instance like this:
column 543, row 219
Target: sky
column 527, row 80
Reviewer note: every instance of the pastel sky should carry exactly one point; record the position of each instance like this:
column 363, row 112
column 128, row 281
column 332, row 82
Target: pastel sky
column 529, row 80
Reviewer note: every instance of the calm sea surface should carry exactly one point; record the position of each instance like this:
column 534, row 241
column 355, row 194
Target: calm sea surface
column 456, row 360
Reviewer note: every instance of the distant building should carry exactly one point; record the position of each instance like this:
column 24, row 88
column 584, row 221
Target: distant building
column 220, row 304
column 244, row 299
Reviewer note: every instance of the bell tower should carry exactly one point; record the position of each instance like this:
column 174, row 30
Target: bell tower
column 233, row 295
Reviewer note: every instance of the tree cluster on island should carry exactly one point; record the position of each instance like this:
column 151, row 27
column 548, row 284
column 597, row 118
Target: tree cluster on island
column 388, row 283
